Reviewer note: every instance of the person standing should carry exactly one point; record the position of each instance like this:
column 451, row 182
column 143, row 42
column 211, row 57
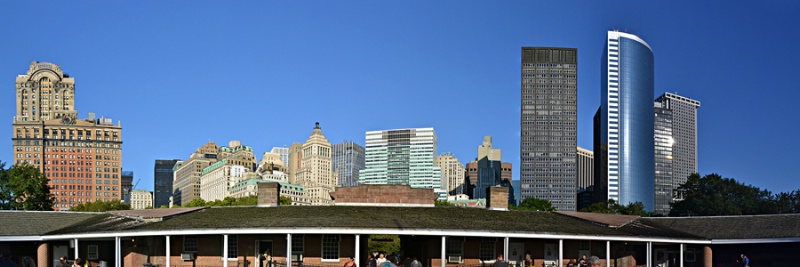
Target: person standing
column 593, row 261
column 582, row 262
column 62, row 262
column 415, row 263
column 381, row 259
column 371, row 261
column 500, row 262
column 745, row 262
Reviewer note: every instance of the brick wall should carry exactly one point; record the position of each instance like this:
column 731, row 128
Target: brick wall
column 269, row 194
column 400, row 195
column 497, row 198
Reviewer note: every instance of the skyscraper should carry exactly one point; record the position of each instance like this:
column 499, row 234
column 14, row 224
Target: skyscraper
column 585, row 169
column 284, row 154
column 82, row 158
column 625, row 122
column 348, row 160
column 452, row 172
column 316, row 168
column 663, row 158
column 403, row 157
column 162, row 181
column 126, row 184
column 684, row 134
column 549, row 125
column 186, row 185
column 488, row 170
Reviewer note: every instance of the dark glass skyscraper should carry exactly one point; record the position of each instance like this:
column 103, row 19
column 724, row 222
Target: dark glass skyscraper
column 548, row 125
column 163, row 177
column 663, row 158
column 626, row 122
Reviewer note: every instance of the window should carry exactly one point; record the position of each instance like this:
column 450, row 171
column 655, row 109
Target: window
column 233, row 248
column 92, row 253
column 297, row 247
column 190, row 243
column 488, row 249
column 330, row 247
column 455, row 249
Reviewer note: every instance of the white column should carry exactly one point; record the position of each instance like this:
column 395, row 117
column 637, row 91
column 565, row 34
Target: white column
column 560, row 252
column 117, row 252
column 168, row 255
column 358, row 249
column 224, row 250
column 505, row 248
column 681, row 258
column 444, row 251
column 608, row 253
column 288, row 250
column 76, row 249
column 649, row 254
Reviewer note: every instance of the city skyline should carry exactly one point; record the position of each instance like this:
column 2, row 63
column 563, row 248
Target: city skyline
column 409, row 67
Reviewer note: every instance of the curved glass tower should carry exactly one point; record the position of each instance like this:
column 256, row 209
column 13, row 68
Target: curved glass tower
column 626, row 121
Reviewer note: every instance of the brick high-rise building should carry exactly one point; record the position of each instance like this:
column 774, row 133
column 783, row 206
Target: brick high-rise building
column 548, row 125
column 82, row 158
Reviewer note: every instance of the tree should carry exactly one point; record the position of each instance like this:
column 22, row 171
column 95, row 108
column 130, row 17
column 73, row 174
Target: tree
column 24, row 187
column 383, row 243
column 286, row 201
column 6, row 197
column 612, row 207
column 197, row 202
column 533, row 203
column 442, row 203
column 712, row 195
column 101, row 206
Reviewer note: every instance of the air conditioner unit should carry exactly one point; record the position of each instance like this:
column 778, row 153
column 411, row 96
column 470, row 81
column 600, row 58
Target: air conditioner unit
column 187, row 256
column 453, row 259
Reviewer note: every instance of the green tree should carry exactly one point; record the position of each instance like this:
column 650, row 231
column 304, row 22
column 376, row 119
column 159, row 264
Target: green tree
column 6, row 197
column 249, row 201
column 383, row 243
column 286, row 201
column 24, row 187
column 612, row 207
column 442, row 203
column 533, row 203
column 101, row 206
column 712, row 195
column 197, row 202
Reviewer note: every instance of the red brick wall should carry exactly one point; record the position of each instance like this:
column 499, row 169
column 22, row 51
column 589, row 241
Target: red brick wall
column 384, row 194
column 269, row 194
column 497, row 197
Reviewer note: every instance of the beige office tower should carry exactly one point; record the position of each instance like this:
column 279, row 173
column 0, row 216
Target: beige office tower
column 187, row 177
column 316, row 168
column 295, row 155
column 452, row 172
column 82, row 158
column 238, row 154
column 585, row 167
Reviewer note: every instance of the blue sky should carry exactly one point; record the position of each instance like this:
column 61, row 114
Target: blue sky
column 178, row 73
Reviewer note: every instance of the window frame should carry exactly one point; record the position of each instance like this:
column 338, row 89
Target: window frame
column 92, row 252
column 326, row 245
column 189, row 242
column 233, row 246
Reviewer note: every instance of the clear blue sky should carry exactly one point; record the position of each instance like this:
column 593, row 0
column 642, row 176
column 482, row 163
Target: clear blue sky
column 180, row 73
